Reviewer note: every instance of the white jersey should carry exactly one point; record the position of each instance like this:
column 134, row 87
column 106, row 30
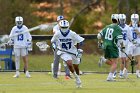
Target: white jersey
column 56, row 28
column 136, row 38
column 125, row 32
column 134, row 35
column 126, row 40
column 20, row 41
column 67, row 42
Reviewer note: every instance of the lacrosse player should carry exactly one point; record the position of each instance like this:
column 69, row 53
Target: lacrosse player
column 135, row 35
column 22, row 43
column 56, row 66
column 127, row 43
column 111, row 36
column 66, row 40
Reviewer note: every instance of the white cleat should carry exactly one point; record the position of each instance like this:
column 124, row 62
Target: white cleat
column 110, row 79
column 78, row 82
column 100, row 62
column 27, row 74
column 125, row 74
column 114, row 74
column 16, row 75
column 138, row 75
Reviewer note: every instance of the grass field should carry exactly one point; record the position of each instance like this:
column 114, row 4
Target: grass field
column 42, row 82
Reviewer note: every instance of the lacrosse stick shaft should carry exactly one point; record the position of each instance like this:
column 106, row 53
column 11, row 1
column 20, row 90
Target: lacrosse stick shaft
column 33, row 29
column 29, row 30
column 132, row 62
column 66, row 51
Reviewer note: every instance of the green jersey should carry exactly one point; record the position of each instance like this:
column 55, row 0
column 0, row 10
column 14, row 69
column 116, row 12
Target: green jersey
column 110, row 35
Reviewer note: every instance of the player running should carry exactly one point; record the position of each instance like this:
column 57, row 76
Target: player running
column 111, row 36
column 66, row 40
column 56, row 66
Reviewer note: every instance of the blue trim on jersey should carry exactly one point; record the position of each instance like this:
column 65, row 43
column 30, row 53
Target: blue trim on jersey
column 65, row 34
column 19, row 27
column 122, row 25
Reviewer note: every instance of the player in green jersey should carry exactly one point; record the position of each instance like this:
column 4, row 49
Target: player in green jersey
column 112, row 37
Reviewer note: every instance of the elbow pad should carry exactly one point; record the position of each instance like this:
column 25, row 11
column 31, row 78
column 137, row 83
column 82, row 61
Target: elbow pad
column 99, row 36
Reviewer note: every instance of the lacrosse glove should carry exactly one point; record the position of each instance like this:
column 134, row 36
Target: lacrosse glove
column 79, row 53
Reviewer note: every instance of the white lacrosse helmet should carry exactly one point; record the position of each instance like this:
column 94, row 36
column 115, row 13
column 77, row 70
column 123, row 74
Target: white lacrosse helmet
column 64, row 24
column 122, row 18
column 60, row 18
column 114, row 16
column 134, row 19
column 19, row 21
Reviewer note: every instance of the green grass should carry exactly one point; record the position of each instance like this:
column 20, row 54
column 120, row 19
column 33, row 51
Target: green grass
column 43, row 63
column 44, row 83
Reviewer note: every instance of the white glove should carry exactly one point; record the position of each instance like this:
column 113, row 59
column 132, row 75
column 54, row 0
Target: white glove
column 44, row 27
column 100, row 45
column 80, row 52
column 122, row 49
column 29, row 45
column 54, row 46
column 134, row 41
column 11, row 42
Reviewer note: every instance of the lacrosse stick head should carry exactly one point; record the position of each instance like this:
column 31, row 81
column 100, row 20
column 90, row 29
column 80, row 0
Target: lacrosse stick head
column 4, row 39
column 42, row 46
column 2, row 47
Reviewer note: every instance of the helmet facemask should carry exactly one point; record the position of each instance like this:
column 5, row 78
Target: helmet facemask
column 122, row 20
column 134, row 19
column 19, row 21
column 64, row 29
column 64, row 26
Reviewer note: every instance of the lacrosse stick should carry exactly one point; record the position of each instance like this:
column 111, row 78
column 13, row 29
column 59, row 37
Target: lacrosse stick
column 132, row 61
column 42, row 45
column 2, row 47
column 48, row 27
column 66, row 52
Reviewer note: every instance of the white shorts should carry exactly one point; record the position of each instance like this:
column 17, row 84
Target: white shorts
column 20, row 51
column 66, row 57
column 128, row 50
column 136, row 51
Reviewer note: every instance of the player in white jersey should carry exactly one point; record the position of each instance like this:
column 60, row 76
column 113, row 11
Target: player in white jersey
column 127, row 43
column 135, row 35
column 66, row 40
column 56, row 66
column 22, row 42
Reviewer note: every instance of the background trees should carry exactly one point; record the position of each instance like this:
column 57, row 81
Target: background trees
column 89, row 21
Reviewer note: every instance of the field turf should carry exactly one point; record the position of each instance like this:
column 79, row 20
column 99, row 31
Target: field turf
column 42, row 82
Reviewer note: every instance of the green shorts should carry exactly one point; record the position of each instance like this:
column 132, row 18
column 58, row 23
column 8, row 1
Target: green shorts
column 111, row 52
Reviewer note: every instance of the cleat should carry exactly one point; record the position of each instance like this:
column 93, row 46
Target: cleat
column 27, row 74
column 100, row 62
column 114, row 75
column 78, row 82
column 67, row 77
column 17, row 74
column 55, row 76
column 125, row 74
column 138, row 75
column 110, row 79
